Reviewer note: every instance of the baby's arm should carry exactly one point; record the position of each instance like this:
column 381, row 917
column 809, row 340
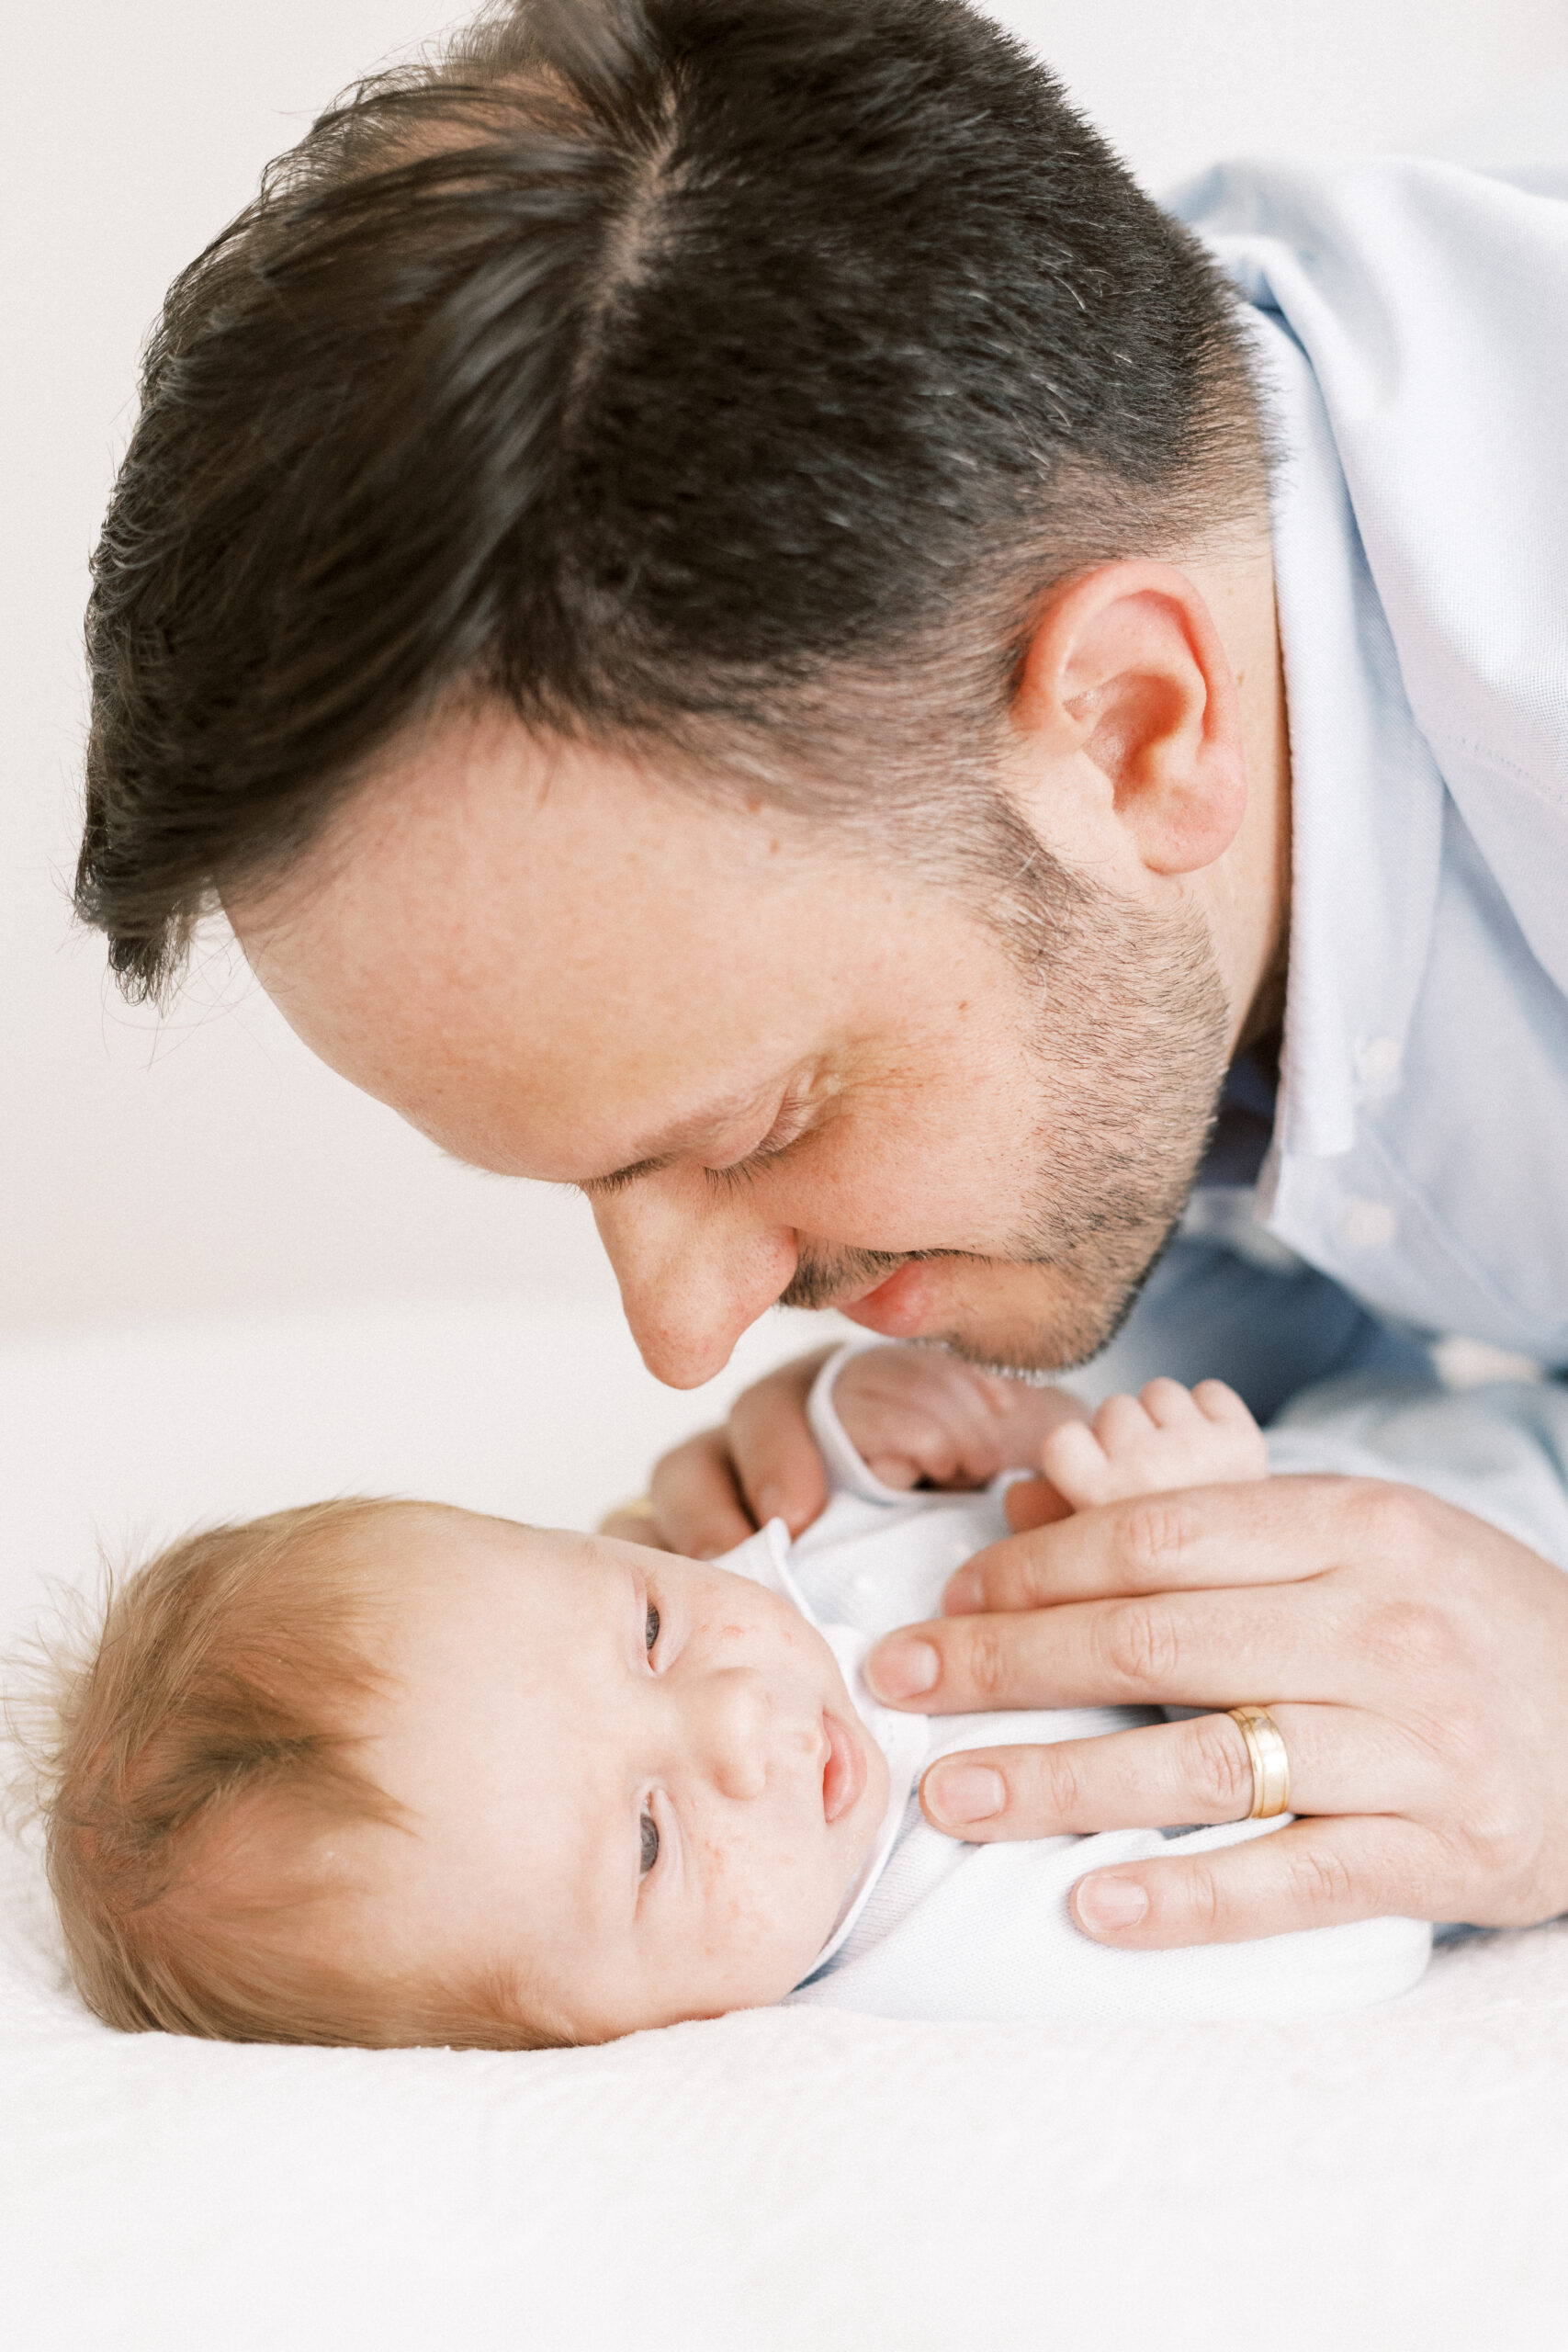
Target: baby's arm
column 914, row 1414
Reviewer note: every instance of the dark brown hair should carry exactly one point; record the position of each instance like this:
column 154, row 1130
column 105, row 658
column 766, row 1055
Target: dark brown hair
column 723, row 372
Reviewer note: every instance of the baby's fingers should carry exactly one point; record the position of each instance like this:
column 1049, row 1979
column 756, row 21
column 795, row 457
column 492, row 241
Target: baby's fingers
column 1170, row 1406
column 1075, row 1461
column 1125, row 1421
column 1220, row 1405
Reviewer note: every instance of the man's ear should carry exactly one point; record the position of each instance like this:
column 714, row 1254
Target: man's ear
column 1126, row 676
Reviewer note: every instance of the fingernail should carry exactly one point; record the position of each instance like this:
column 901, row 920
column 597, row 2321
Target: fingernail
column 902, row 1670
column 966, row 1594
column 964, row 1791
column 1103, row 1905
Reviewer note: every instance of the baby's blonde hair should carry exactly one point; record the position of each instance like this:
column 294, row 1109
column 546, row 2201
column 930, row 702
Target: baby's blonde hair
column 193, row 1758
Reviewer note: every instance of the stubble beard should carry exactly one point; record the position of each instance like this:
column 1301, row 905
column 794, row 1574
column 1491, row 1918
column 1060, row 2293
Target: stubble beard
column 1130, row 1048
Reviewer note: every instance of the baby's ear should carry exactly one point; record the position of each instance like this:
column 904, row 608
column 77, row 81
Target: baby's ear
column 1034, row 1502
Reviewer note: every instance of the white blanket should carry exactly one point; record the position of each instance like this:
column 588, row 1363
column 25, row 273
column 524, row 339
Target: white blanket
column 1393, row 2178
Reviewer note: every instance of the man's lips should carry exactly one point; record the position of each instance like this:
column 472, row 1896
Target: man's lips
column 896, row 1305
column 843, row 1775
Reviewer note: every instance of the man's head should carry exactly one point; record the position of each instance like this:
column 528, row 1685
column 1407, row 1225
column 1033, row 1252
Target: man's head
column 781, row 419
column 386, row 1774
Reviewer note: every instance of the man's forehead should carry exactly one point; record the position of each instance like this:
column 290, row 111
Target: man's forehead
column 556, row 964
column 481, row 858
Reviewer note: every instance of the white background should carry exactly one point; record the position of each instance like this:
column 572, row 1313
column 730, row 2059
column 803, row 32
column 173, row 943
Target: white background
column 204, row 1165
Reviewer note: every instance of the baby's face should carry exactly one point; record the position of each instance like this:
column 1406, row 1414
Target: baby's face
column 636, row 1779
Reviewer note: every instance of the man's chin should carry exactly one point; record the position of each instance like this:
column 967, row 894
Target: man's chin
column 1032, row 1319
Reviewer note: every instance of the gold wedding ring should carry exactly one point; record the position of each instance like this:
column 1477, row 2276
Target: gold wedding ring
column 1270, row 1764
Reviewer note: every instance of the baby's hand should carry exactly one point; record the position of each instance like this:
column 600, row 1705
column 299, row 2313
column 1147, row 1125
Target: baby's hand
column 1168, row 1436
column 915, row 1413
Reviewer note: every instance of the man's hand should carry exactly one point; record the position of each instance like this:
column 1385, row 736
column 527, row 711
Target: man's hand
column 1415, row 1660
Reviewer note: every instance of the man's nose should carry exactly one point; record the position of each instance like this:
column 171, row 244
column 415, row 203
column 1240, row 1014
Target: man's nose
column 692, row 1275
column 733, row 1731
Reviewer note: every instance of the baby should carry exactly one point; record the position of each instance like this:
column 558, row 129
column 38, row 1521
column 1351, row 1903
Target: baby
column 386, row 1773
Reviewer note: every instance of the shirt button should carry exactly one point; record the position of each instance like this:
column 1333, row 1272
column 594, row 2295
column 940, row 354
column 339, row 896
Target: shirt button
column 1367, row 1224
column 1378, row 1058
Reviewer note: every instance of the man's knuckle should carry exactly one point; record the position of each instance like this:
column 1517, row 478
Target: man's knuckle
column 1152, row 1534
column 1221, row 1770
column 1139, row 1644
column 1499, row 1836
column 985, row 1660
column 1061, row 1784
column 1409, row 1636
column 1397, row 1521
column 1201, row 1898
column 1320, row 1879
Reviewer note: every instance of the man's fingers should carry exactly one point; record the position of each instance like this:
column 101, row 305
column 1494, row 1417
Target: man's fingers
column 1185, row 1649
column 775, row 1462
column 1312, row 1874
column 1169, row 1774
column 1257, row 1534
column 697, row 1503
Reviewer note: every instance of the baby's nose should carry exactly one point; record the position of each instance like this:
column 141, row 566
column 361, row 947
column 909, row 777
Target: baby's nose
column 739, row 1711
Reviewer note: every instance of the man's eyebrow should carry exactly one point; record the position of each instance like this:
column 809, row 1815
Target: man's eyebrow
column 664, row 1148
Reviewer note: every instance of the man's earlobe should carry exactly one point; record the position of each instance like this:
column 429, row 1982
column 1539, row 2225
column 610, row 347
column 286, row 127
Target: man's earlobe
column 1127, row 678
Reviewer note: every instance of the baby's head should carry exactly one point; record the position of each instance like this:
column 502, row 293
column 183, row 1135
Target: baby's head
column 389, row 1772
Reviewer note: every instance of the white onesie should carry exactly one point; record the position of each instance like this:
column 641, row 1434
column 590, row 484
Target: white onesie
column 935, row 1929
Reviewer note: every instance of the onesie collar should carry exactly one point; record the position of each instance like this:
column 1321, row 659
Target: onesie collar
column 905, row 1740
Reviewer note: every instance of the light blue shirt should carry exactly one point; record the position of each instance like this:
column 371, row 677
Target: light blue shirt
column 1411, row 321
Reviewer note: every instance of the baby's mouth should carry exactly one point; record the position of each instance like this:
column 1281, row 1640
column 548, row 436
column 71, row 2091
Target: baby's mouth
column 843, row 1774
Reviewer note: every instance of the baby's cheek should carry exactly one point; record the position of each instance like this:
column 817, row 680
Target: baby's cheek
column 768, row 1925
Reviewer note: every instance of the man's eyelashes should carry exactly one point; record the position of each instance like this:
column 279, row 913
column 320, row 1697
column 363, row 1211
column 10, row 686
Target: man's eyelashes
column 792, row 1125
column 741, row 1173
column 650, row 1635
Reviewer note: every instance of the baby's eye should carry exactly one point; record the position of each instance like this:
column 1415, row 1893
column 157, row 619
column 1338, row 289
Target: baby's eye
column 649, row 1828
column 651, row 1635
